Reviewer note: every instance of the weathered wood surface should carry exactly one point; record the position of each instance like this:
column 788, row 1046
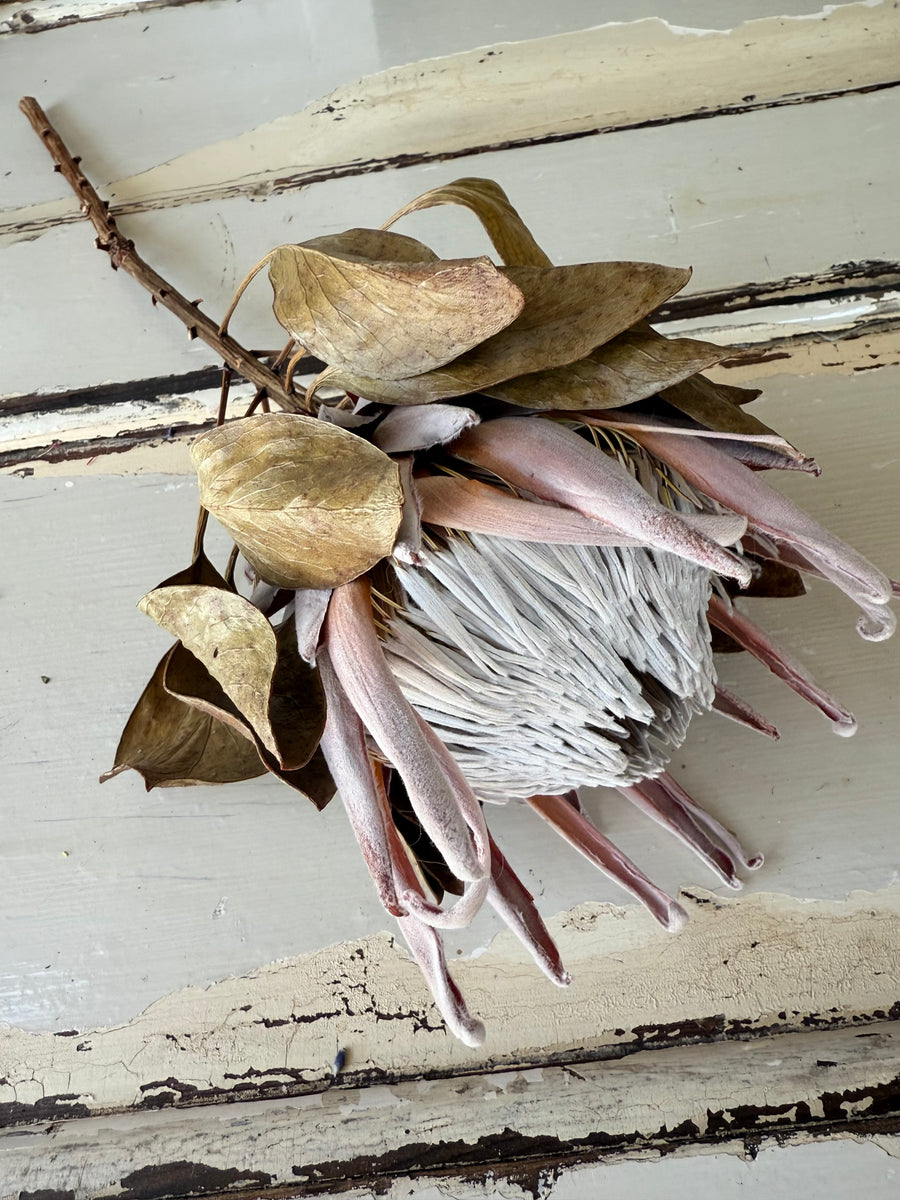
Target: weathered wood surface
column 120, row 911
column 527, row 1127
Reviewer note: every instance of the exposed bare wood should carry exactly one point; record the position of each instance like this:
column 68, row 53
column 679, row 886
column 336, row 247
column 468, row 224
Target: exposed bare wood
column 736, row 1096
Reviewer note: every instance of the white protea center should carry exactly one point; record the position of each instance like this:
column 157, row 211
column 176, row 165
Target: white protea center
column 546, row 667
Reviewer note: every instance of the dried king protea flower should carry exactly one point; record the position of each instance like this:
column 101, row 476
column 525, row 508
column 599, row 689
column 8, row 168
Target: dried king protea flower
column 485, row 565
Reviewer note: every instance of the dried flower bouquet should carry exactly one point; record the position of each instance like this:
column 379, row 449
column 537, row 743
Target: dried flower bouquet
column 487, row 549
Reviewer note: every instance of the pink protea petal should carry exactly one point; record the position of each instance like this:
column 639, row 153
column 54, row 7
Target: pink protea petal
column 556, row 464
column 476, row 507
column 425, row 945
column 512, row 901
column 466, row 799
column 780, row 662
column 580, row 833
column 704, row 466
column 716, row 830
column 652, row 797
column 310, row 606
column 408, row 545
column 420, row 426
column 344, row 746
column 458, row 915
column 762, row 451
column 359, row 665
column 727, row 704
column 878, row 623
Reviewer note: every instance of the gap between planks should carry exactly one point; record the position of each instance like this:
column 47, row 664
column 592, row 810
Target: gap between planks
column 832, row 330
column 736, row 1097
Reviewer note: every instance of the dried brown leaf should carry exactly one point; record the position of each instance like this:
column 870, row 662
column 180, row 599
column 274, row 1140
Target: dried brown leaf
column 488, row 201
column 717, row 407
column 313, row 780
column 310, row 504
column 631, row 367
column 200, row 570
column 372, row 245
column 389, row 319
column 569, row 311
column 172, row 744
column 237, row 645
column 296, row 701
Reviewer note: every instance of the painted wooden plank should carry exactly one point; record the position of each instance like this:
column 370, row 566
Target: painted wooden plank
column 525, row 1126
column 757, row 966
column 155, row 71
column 517, row 95
column 701, row 194
column 411, row 36
column 40, row 16
column 185, row 888
column 837, row 332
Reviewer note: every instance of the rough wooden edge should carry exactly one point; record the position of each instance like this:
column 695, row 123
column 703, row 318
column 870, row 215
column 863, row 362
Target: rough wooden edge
column 41, row 16
column 733, row 1096
column 516, row 94
column 769, row 963
column 151, row 421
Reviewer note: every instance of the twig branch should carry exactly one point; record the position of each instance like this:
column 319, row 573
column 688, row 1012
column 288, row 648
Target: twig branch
column 122, row 254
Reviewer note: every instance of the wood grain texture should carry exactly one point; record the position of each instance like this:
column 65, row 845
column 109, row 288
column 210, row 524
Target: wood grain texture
column 701, row 195
column 514, row 95
column 518, row 1129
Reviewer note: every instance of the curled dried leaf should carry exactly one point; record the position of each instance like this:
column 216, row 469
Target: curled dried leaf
column 310, row 504
column 269, row 687
column 389, row 319
column 490, row 204
column 296, row 702
column 372, row 245
column 173, row 744
column 568, row 312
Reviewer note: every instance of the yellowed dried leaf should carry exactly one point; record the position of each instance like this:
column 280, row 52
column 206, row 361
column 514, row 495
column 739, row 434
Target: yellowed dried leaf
column 631, row 367
column 488, row 201
column 569, row 311
column 311, row 505
column 296, row 701
column 372, row 245
column 231, row 638
column 389, row 319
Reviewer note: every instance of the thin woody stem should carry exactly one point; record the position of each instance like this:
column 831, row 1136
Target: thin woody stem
column 122, row 254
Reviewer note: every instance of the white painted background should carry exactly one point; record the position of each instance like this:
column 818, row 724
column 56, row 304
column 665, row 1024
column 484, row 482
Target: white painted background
column 110, row 898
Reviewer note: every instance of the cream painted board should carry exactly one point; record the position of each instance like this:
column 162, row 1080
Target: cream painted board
column 759, row 964
column 112, row 898
column 145, row 70
column 745, row 198
column 506, row 1133
column 603, row 79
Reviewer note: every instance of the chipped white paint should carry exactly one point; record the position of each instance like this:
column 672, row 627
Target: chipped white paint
column 516, row 93
column 789, row 339
column 760, row 962
column 42, row 15
column 515, row 1123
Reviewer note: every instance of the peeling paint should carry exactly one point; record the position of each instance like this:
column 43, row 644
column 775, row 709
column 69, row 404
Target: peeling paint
column 481, row 1131
column 770, row 963
column 519, row 97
